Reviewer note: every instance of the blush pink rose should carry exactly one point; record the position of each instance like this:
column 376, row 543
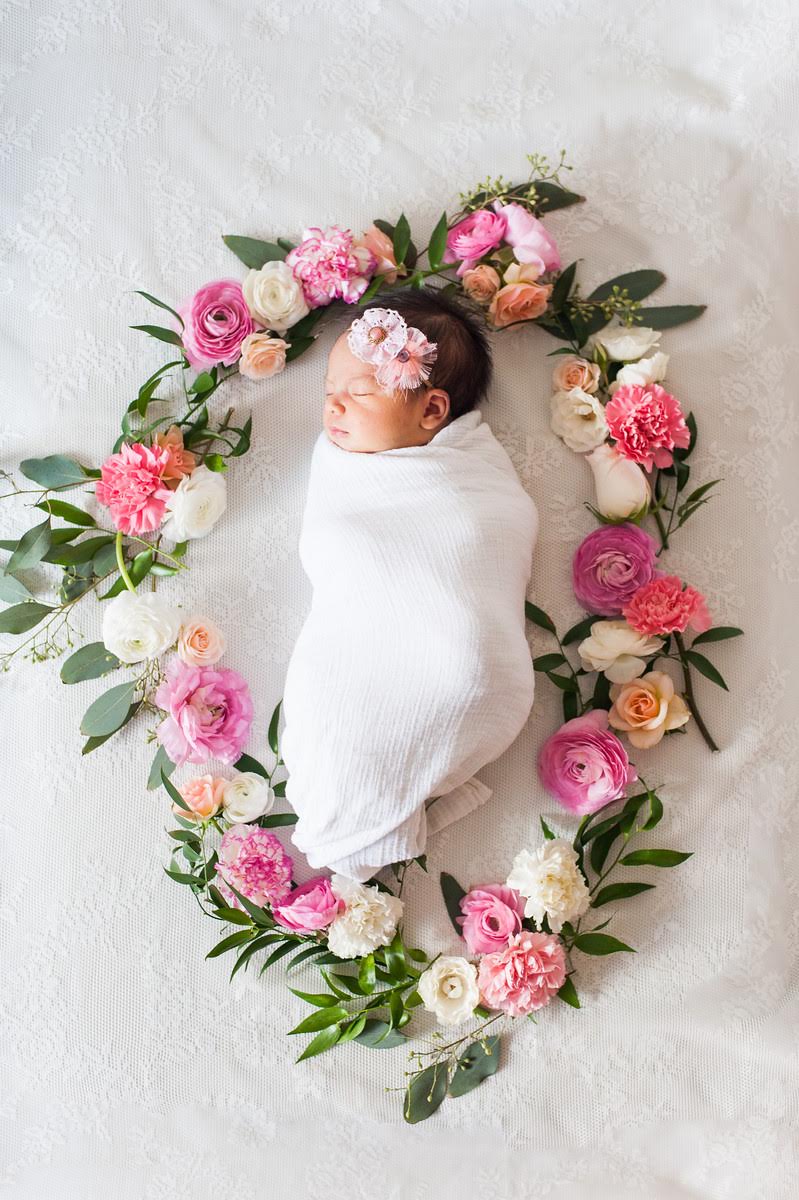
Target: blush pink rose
column 209, row 713
column 473, row 237
column 492, row 914
column 203, row 795
column 216, row 321
column 585, row 766
column 667, row 605
column 254, row 862
column 646, row 423
column 531, row 241
column 330, row 266
column 525, row 975
column 312, row 906
column 132, row 485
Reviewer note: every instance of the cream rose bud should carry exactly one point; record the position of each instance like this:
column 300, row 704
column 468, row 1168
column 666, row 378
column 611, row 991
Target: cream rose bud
column 449, row 989
column 246, row 797
column 622, row 489
column 646, row 708
column 200, row 642
column 573, row 372
column 617, row 649
column 196, row 505
column 481, row 283
column 262, row 356
column 626, row 343
column 579, row 419
column 646, row 370
column 139, row 627
column 274, row 296
column 552, row 883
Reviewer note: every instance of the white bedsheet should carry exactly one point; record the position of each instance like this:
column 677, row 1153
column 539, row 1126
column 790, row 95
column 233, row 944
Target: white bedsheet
column 134, row 136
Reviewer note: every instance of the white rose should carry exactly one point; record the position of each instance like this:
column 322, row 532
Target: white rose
column 578, row 418
column 449, row 989
column 274, row 296
column 139, row 627
column 369, row 919
column 626, row 343
column 617, row 649
column 643, row 372
column 246, row 797
column 622, row 488
column 196, row 505
column 552, row 882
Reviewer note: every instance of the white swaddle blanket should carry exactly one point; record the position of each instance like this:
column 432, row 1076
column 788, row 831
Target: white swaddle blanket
column 412, row 670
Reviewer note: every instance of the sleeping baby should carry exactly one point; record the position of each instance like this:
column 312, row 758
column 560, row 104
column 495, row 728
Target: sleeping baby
column 412, row 669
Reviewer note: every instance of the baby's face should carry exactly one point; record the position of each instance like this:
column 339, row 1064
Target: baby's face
column 359, row 416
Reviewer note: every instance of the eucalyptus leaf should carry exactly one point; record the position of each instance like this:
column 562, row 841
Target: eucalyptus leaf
column 425, row 1093
column 252, row 252
column 378, row 1035
column 22, row 617
column 668, row 317
column 31, row 548
column 13, row 590
column 90, row 662
column 108, row 712
column 56, row 471
column 478, row 1061
column 639, row 285
column 161, row 762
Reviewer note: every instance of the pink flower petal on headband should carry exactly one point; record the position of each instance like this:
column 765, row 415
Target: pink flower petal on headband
column 411, row 366
column 378, row 335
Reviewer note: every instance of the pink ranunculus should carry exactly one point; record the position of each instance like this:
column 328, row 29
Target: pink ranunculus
column 531, row 240
column 492, row 914
column 216, row 321
column 253, row 861
column 132, row 486
column 610, row 565
column 330, row 266
column 312, row 906
column 209, row 713
column 583, row 765
column 647, row 424
column 525, row 975
column 666, row 605
column 473, row 237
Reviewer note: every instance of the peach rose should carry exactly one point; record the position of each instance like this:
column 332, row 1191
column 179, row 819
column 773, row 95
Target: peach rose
column 572, row 372
column 381, row 245
column 646, row 708
column 262, row 356
column 203, row 795
column 521, row 299
column 200, row 642
column 180, row 462
column 481, row 283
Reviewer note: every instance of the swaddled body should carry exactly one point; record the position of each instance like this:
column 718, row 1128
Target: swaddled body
column 412, row 669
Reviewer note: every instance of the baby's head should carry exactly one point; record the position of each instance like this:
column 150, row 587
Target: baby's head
column 363, row 416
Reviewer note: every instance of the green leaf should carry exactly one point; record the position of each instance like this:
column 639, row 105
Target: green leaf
column 717, row 634
column 568, row 993
column 579, row 631
column 566, row 683
column 184, row 835
column 639, row 285
column 161, row 762
column 202, row 384
column 706, row 668
column 318, row 999
column 600, row 847
column 552, row 196
column 394, row 955
column 478, row 1061
column 321, row 1019
column 323, row 1041
column 366, row 974
column 81, row 552
column 401, row 239
column 22, row 617
column 252, row 252
column 257, row 944
column 173, row 792
column 56, row 471
column 350, row 982
column 619, row 891
column 68, row 512
column 453, row 894
column 286, row 948
column 272, row 732
column 353, row 1028
column 93, row 742
column 161, row 334
column 655, row 858
column 425, row 1093
column 90, row 662
column 378, row 1035
column 548, row 834
column 305, row 954
column 182, row 877
column 668, row 317
column 229, row 942
column 600, row 943
column 13, row 590
column 31, row 548
column 137, row 570
column 108, row 712
column 160, row 304
column 233, row 916
column 438, row 243
column 548, row 662
column 655, row 811
column 258, row 914
column 539, row 617
column 277, row 820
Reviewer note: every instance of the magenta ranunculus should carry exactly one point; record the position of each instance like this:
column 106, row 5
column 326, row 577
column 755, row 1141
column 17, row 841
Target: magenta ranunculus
column 610, row 565
column 312, row 906
column 525, row 975
column 585, row 766
column 253, row 861
column 216, row 320
column 492, row 914
column 209, row 713
column 473, row 237
column 330, row 266
column 531, row 240
column 132, row 487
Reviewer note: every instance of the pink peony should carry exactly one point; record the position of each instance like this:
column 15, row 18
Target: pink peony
column 209, row 713
column 329, row 265
column 610, row 565
column 666, row 605
column 529, row 237
column 525, row 975
column 132, row 486
column 216, row 320
column 647, row 423
column 473, row 237
column 492, row 915
column 253, row 861
column 583, row 765
column 309, row 907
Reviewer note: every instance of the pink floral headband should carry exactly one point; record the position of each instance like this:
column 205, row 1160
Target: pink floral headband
column 401, row 354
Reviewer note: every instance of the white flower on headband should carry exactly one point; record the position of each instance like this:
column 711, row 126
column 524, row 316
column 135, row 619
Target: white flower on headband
column 402, row 356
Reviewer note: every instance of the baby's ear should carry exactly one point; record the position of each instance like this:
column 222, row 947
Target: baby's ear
column 436, row 409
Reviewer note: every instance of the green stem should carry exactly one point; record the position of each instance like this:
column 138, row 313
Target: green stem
column 689, row 692
column 121, row 564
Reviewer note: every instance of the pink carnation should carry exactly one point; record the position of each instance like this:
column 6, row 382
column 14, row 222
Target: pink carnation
column 132, row 486
column 492, row 914
column 216, row 322
column 253, row 861
column 474, row 237
column 209, row 713
column 584, row 765
column 525, row 975
column 312, row 906
column 666, row 605
column 531, row 240
column 647, row 423
column 330, row 266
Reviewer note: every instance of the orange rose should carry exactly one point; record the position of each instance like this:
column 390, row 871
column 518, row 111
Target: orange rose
column 572, row 372
column 481, row 283
column 262, row 356
column 382, row 247
column 200, row 643
column 181, row 462
column 521, row 299
column 646, row 708
column 203, row 795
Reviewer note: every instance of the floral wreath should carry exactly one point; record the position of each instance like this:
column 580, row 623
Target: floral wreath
column 165, row 480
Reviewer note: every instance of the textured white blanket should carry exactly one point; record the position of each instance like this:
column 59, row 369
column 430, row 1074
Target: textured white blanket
column 412, row 670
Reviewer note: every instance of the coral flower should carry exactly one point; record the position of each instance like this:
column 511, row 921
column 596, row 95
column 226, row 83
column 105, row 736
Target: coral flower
column 132, row 486
column 647, row 424
column 666, row 605
column 181, row 461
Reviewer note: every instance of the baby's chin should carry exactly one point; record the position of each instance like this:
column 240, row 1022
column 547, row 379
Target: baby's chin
column 345, row 442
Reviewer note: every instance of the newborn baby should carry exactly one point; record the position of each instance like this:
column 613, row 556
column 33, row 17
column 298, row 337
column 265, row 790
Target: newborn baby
column 412, row 670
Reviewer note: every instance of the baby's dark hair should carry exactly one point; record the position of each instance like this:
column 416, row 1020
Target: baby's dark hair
column 463, row 366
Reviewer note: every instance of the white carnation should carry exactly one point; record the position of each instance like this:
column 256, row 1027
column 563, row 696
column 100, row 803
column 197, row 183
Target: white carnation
column 578, row 418
column 196, row 505
column 246, row 797
column 626, row 343
column 617, row 649
column 139, row 627
column 643, row 372
column 552, row 882
column 369, row 919
column 274, row 296
column 449, row 989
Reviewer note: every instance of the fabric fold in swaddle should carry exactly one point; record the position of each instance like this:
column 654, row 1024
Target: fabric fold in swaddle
column 412, row 669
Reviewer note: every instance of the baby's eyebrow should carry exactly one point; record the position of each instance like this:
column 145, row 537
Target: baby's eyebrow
column 357, row 379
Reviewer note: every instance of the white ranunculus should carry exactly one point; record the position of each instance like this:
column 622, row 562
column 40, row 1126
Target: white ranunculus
column 246, row 797
column 552, row 883
column 139, row 627
column 617, row 649
column 643, row 372
column 369, row 919
column 196, row 505
column 622, row 488
column 274, row 296
column 626, row 343
column 449, row 989
column 578, row 418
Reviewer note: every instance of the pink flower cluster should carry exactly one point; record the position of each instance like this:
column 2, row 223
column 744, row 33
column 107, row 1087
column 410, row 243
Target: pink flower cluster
column 209, row 713
column 253, row 861
column 483, row 231
column 331, row 266
column 647, row 423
